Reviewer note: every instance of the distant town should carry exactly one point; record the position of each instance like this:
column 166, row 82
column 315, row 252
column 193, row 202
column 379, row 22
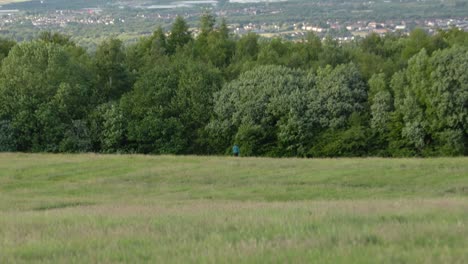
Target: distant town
column 131, row 19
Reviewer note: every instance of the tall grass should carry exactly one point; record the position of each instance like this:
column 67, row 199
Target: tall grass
column 165, row 209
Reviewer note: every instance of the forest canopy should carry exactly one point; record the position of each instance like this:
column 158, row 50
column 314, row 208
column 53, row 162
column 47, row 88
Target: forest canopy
column 176, row 93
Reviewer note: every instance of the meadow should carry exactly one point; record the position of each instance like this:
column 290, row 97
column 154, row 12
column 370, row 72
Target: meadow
column 91, row 208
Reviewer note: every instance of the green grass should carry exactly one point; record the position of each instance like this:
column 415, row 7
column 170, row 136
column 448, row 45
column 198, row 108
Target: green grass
column 164, row 209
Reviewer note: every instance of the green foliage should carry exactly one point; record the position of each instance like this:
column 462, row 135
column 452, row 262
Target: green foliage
column 180, row 35
column 169, row 106
column 207, row 23
column 341, row 92
column 247, row 47
column 381, row 104
column 173, row 93
column 77, row 138
column 56, row 38
column 114, row 129
column 214, row 45
column 254, row 109
column 148, row 51
column 432, row 101
column 146, row 106
column 454, row 37
column 113, row 78
column 332, row 53
column 341, row 143
column 5, row 47
column 417, row 41
column 7, row 137
column 43, row 88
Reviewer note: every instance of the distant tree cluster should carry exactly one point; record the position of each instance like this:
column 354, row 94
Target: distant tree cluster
column 178, row 94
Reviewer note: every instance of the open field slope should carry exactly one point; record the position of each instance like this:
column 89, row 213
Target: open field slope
column 164, row 209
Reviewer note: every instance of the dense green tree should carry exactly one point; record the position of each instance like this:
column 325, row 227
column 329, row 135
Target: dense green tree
column 207, row 23
column 245, row 55
column 274, row 52
column 417, row 40
column 197, row 83
column 113, row 134
column 415, row 95
column 57, row 38
column 454, row 36
column 5, row 46
column 42, row 90
column 448, row 100
column 77, row 138
column 179, row 36
column 158, row 43
column 107, row 128
column 146, row 52
column 169, row 107
column 214, row 45
column 254, row 109
column 332, row 54
column 79, row 53
column 381, row 102
column 7, row 136
column 146, row 107
column 113, row 77
column 390, row 95
column 339, row 107
column 304, row 54
column 341, row 92
column 432, row 101
column 353, row 140
column 247, row 47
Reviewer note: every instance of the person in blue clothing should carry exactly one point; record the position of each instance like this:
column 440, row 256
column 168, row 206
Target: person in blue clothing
column 236, row 150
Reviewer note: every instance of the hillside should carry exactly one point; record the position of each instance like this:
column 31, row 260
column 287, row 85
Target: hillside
column 136, row 209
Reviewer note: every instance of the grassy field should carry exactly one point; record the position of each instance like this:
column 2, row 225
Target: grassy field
column 164, row 209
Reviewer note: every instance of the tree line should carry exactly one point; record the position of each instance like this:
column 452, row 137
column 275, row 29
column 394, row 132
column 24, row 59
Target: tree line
column 176, row 93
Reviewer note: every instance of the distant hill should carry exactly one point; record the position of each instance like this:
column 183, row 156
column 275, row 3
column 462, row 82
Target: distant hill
column 3, row 2
column 52, row 4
